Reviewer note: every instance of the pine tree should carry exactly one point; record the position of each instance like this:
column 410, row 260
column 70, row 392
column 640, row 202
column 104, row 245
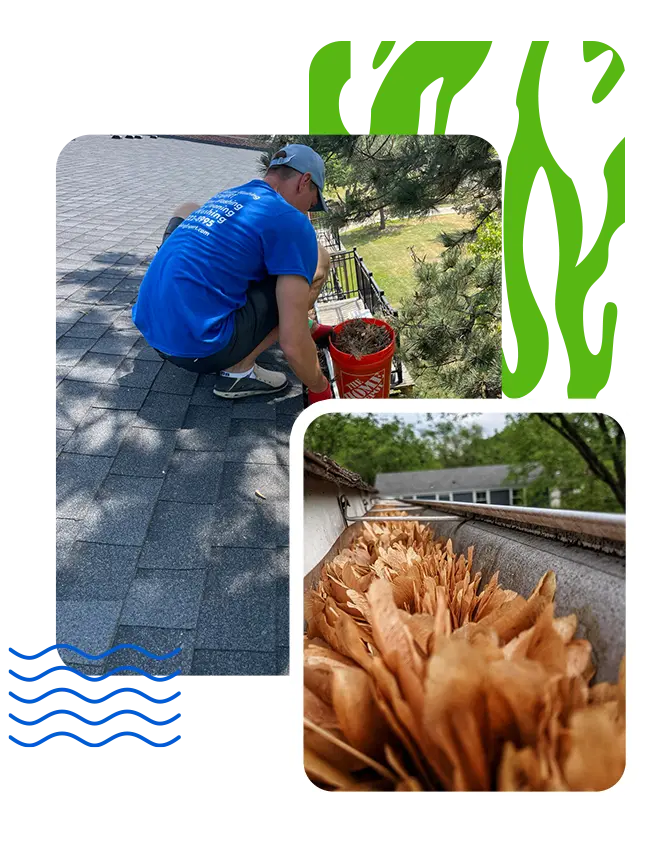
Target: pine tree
column 404, row 175
column 450, row 331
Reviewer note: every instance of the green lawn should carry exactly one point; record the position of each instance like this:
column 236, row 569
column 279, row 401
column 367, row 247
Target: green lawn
column 387, row 252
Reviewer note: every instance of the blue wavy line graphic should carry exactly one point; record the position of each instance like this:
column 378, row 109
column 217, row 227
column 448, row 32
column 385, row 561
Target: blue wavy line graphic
column 97, row 677
column 104, row 654
column 94, row 701
column 91, row 721
column 96, row 745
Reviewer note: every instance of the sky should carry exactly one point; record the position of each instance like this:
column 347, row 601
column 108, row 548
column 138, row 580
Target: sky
column 491, row 422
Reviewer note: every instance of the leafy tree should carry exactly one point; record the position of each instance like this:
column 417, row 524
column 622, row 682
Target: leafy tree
column 368, row 446
column 405, row 175
column 579, row 455
column 488, row 242
column 455, row 442
column 450, row 331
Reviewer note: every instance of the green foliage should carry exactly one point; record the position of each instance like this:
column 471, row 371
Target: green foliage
column 450, row 332
column 404, row 175
column 588, row 472
column 451, row 327
column 368, row 446
column 456, row 443
column 584, row 472
column 488, row 242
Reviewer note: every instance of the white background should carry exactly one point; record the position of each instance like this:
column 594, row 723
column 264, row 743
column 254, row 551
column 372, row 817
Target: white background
column 236, row 777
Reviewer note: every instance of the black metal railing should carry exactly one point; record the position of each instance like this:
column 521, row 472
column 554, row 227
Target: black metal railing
column 349, row 278
column 327, row 233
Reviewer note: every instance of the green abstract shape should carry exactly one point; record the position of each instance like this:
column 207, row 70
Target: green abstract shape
column 382, row 53
column 396, row 110
column 529, row 153
column 589, row 372
column 330, row 69
column 593, row 49
column 398, row 100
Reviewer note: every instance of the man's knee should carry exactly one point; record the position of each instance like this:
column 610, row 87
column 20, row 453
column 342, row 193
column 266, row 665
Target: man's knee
column 185, row 209
column 323, row 269
column 323, row 262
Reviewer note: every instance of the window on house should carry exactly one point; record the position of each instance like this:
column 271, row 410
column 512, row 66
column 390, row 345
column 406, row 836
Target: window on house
column 463, row 496
column 481, row 496
column 517, row 497
column 499, row 496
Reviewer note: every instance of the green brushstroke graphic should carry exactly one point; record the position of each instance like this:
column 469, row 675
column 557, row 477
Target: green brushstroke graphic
column 329, row 70
column 382, row 53
column 529, row 153
column 396, row 110
column 398, row 101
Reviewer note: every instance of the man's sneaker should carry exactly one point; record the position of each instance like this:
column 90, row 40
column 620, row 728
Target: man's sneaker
column 261, row 382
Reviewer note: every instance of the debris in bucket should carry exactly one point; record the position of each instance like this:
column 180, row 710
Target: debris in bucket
column 359, row 338
column 417, row 679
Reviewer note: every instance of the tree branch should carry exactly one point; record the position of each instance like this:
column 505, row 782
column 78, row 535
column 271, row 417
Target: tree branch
column 570, row 433
column 616, row 452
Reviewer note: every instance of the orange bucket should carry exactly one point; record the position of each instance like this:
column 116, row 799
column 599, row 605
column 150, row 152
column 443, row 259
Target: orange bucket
column 369, row 376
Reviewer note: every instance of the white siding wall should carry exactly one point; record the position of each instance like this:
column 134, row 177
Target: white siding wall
column 322, row 519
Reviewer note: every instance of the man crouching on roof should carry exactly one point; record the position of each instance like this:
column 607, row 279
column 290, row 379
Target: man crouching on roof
column 239, row 273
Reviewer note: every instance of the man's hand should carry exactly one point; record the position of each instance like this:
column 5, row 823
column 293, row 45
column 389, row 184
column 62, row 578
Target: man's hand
column 321, row 334
column 292, row 296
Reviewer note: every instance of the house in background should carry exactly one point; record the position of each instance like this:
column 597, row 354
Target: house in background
column 475, row 484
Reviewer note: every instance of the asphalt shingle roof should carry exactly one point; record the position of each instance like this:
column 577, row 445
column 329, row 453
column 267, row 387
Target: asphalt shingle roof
column 161, row 540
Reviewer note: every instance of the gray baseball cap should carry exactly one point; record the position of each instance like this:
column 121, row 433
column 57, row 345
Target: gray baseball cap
column 304, row 159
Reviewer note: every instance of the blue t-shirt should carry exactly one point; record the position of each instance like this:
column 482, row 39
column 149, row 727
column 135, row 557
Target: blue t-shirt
column 201, row 273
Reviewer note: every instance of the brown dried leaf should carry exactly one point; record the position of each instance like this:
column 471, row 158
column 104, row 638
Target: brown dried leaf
column 566, row 626
column 453, row 716
column 546, row 587
column 390, row 633
column 523, row 769
column 357, row 713
column 318, row 665
column 596, row 756
column 578, row 657
column 318, row 711
column 516, row 616
column 409, row 784
column 320, row 770
column 604, row 692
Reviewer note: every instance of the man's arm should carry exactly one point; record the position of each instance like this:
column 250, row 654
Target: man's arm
column 321, row 274
column 292, row 296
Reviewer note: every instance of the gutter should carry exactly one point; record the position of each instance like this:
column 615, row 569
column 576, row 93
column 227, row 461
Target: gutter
column 598, row 531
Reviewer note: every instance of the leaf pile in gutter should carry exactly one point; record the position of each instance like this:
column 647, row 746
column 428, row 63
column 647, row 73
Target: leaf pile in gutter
column 416, row 679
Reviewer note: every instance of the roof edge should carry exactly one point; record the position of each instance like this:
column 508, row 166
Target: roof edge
column 321, row 466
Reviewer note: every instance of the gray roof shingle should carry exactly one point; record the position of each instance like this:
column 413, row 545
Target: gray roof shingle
column 459, row 479
column 156, row 476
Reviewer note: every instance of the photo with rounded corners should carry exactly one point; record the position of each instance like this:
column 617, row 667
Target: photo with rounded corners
column 464, row 601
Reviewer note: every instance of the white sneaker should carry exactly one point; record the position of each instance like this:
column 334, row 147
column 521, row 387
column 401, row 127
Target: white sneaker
column 261, row 382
